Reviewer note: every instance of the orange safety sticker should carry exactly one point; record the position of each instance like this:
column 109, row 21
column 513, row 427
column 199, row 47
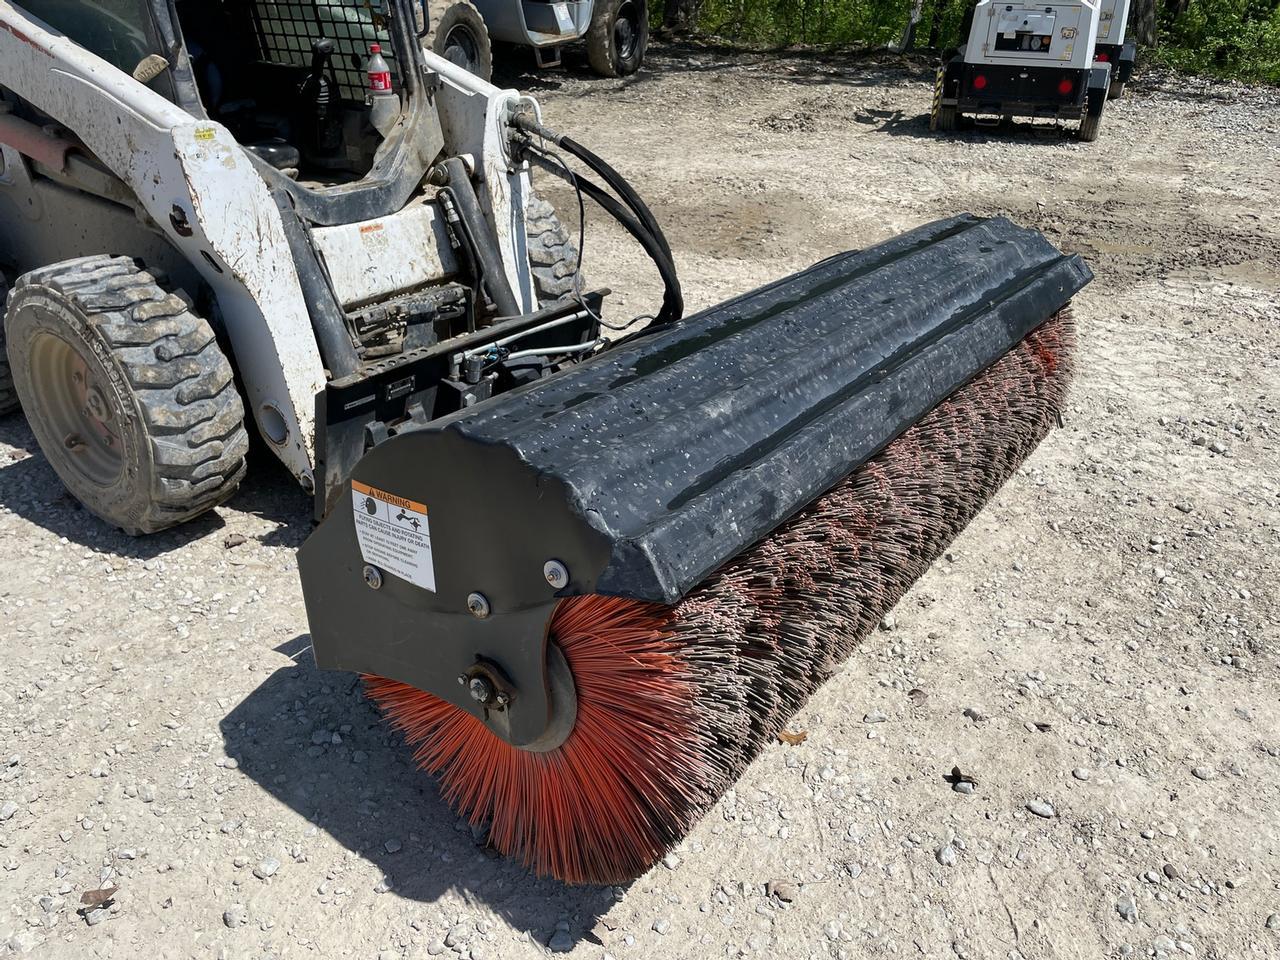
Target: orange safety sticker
column 393, row 534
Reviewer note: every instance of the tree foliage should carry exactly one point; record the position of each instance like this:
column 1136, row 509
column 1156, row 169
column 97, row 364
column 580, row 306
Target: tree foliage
column 1236, row 38
column 1239, row 38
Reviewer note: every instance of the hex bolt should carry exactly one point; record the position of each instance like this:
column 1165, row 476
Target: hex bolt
column 557, row 574
column 372, row 577
column 481, row 690
column 478, row 604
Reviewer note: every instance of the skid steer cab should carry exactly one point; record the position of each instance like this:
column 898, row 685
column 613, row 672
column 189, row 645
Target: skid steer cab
column 1025, row 60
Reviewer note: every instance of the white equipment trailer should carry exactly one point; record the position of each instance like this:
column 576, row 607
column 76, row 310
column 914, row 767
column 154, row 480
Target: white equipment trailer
column 1026, row 60
column 1113, row 47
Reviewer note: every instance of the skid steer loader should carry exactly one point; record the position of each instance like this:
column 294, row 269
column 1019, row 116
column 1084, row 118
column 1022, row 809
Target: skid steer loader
column 296, row 212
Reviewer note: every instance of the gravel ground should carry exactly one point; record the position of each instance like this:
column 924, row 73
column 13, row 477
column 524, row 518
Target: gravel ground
column 1098, row 650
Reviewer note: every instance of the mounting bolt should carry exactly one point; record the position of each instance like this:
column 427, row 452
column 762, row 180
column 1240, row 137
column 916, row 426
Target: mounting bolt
column 557, row 574
column 372, row 577
column 478, row 604
column 481, row 690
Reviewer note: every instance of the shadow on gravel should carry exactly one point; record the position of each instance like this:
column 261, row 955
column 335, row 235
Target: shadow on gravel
column 515, row 67
column 366, row 793
column 30, row 489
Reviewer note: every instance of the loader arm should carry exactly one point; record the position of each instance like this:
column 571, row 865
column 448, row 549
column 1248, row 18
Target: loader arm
column 476, row 119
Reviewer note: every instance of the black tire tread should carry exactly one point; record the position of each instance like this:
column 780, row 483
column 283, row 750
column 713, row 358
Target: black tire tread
column 8, row 396
column 600, row 50
column 180, row 380
column 1090, row 127
column 553, row 255
column 440, row 10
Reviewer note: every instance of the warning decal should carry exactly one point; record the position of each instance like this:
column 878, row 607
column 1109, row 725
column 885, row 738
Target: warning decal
column 393, row 534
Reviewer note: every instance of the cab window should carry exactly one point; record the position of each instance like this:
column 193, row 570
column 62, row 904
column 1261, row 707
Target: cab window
column 119, row 31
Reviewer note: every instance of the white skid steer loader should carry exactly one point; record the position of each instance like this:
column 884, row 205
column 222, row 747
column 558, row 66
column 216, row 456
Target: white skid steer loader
column 186, row 183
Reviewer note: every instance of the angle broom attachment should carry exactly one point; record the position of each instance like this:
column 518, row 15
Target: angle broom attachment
column 622, row 579
column 673, row 701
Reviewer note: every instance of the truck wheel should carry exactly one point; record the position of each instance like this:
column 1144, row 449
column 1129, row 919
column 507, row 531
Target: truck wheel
column 618, row 37
column 459, row 35
column 1116, row 90
column 553, row 255
column 1091, row 123
column 8, row 398
column 127, row 392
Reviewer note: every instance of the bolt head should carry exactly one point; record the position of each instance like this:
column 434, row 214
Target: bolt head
column 372, row 577
column 478, row 604
column 556, row 573
column 481, row 690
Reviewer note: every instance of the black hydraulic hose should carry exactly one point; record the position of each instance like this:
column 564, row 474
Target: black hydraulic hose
column 614, row 179
column 484, row 246
column 610, row 176
column 672, row 297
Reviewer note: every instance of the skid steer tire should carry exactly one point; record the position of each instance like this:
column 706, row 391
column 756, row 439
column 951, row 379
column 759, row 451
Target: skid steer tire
column 553, row 256
column 459, row 35
column 8, row 397
column 127, row 391
column 618, row 37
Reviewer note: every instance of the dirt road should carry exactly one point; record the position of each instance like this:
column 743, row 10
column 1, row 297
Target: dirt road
column 1100, row 645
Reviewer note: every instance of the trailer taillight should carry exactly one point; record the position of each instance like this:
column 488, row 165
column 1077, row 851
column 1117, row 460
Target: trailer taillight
column 1102, row 58
column 979, row 82
column 1065, row 86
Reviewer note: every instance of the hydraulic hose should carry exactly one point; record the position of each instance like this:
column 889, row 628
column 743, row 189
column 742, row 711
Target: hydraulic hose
column 635, row 216
column 480, row 239
column 672, row 299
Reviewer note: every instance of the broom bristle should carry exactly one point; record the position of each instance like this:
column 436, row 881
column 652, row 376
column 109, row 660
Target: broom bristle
column 673, row 702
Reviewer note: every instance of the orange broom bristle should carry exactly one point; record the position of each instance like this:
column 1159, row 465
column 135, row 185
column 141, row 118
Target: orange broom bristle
column 605, row 803
column 673, row 702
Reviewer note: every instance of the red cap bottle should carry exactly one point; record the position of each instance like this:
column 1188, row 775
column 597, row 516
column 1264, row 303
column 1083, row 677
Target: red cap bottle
column 379, row 72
